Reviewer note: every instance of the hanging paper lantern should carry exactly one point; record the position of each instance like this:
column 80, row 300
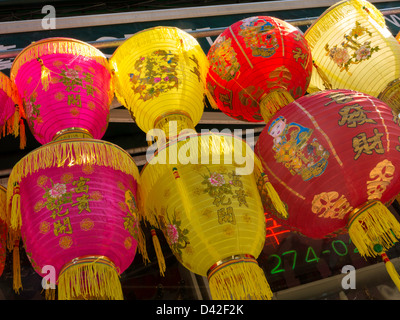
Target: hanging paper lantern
column 160, row 78
column 65, row 85
column 257, row 66
column 74, row 202
column 333, row 157
column 11, row 112
column 353, row 49
column 201, row 192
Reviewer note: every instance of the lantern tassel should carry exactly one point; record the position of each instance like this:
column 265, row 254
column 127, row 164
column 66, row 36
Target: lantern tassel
column 391, row 270
column 273, row 102
column 22, row 135
column 16, row 210
column 159, row 253
column 274, row 196
column 89, row 278
column 45, row 75
column 17, row 283
column 50, row 294
column 324, row 78
column 373, row 224
column 238, row 278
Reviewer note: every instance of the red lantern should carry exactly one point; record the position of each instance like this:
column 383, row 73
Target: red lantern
column 257, row 66
column 333, row 157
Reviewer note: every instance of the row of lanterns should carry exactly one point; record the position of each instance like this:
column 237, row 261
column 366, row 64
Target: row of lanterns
column 324, row 164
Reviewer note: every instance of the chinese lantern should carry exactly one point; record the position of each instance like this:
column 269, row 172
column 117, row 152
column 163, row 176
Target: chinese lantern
column 74, row 202
column 333, row 157
column 353, row 49
column 11, row 112
column 160, row 78
column 201, row 192
column 257, row 66
column 66, row 88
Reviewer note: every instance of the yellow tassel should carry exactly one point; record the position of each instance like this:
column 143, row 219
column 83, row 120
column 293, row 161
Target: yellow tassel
column 159, row 253
column 89, row 278
column 371, row 225
column 273, row 102
column 274, row 196
column 391, row 270
column 22, row 135
column 324, row 78
column 50, row 294
column 45, row 76
column 238, row 279
column 17, row 284
column 16, row 210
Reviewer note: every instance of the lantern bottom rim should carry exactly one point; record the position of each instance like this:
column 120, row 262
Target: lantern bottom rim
column 89, row 259
column 228, row 261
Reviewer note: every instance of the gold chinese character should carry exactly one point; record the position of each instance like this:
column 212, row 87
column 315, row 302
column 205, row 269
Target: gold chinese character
column 353, row 116
column 226, row 215
column 83, row 203
column 81, row 185
column 362, row 144
column 62, row 227
column 75, row 99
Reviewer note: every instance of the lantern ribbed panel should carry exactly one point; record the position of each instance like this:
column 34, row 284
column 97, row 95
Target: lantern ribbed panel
column 78, row 200
column 335, row 151
column 64, row 83
column 255, row 57
column 366, row 61
column 159, row 72
column 206, row 211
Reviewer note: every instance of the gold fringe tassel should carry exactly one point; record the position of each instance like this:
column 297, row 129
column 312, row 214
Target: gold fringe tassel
column 274, row 196
column 45, row 76
column 391, row 270
column 94, row 278
column 159, row 253
column 50, row 294
column 273, row 102
column 239, row 279
column 371, row 225
column 324, row 78
column 17, row 283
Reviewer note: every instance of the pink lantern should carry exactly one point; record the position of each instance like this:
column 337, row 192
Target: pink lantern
column 74, row 202
column 66, row 87
column 11, row 112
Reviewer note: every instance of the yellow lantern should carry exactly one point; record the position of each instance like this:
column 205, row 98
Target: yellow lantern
column 353, row 49
column 160, row 77
column 201, row 192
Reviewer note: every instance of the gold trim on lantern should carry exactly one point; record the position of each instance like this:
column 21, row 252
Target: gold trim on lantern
column 391, row 95
column 182, row 119
column 229, row 260
column 72, row 133
column 58, row 45
column 238, row 277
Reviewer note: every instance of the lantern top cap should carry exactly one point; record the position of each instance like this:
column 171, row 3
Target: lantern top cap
column 336, row 13
column 61, row 45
